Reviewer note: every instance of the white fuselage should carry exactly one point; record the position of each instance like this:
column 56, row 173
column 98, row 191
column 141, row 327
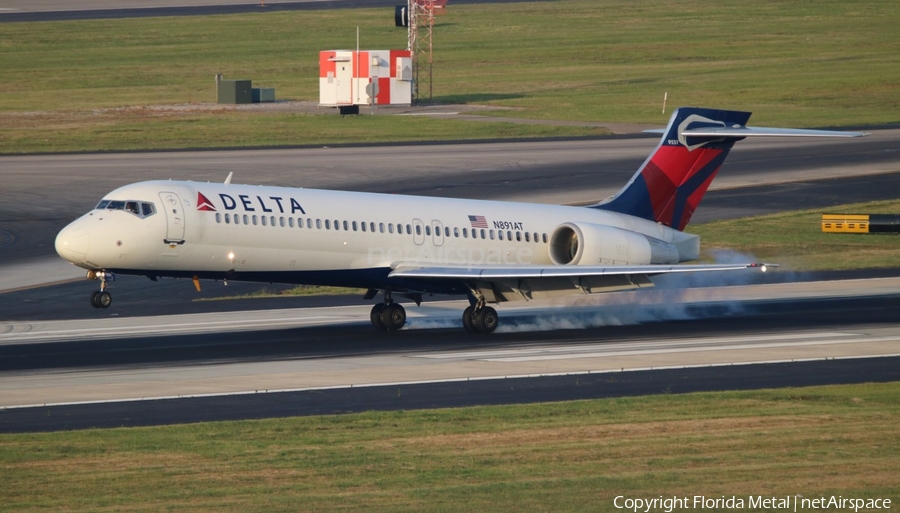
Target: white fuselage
column 227, row 228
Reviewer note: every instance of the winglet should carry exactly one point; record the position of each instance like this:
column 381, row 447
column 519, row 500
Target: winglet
column 228, row 180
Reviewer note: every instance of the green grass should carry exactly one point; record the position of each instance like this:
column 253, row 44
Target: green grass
column 792, row 63
column 573, row 456
column 795, row 239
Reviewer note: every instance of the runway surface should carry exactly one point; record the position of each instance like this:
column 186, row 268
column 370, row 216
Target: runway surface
column 205, row 366
column 65, row 375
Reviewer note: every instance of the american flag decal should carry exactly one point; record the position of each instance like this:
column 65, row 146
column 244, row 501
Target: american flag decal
column 478, row 221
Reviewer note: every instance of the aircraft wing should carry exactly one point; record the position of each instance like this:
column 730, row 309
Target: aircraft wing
column 511, row 283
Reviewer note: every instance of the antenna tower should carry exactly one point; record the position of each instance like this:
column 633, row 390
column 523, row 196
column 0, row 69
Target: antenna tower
column 420, row 44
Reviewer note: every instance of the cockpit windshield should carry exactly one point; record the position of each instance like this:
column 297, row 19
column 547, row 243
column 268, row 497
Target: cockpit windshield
column 139, row 208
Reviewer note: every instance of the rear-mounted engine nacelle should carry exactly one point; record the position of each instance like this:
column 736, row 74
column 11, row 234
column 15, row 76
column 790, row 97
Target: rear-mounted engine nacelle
column 594, row 244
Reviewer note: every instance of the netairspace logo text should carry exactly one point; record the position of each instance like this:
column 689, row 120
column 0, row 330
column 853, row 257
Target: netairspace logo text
column 752, row 502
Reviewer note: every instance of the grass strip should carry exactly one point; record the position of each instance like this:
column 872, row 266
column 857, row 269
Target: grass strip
column 82, row 85
column 795, row 239
column 571, row 456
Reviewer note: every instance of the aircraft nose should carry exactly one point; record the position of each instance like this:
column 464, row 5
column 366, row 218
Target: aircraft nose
column 72, row 243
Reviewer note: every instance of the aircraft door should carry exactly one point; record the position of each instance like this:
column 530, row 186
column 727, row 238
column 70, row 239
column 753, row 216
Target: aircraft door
column 418, row 232
column 174, row 209
column 438, row 232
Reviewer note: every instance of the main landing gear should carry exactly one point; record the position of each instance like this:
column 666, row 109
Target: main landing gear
column 480, row 320
column 388, row 316
column 101, row 298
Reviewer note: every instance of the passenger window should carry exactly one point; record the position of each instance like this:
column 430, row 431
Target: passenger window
column 318, row 224
column 346, row 226
column 544, row 238
column 418, row 230
column 500, row 235
column 446, row 231
column 381, row 227
column 218, row 218
column 227, row 218
column 281, row 221
column 290, row 222
column 390, row 227
column 456, row 232
column 309, row 223
column 263, row 219
column 273, row 220
column 492, row 234
column 246, row 219
column 427, row 230
column 355, row 226
column 508, row 235
column 518, row 236
column 483, row 234
column 465, row 233
column 363, row 226
column 327, row 224
column 527, row 237
column 372, row 227
column 237, row 219
column 254, row 220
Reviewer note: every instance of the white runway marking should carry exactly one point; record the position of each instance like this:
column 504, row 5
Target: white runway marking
column 578, row 350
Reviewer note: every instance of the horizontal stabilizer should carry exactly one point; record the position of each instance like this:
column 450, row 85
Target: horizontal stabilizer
column 750, row 131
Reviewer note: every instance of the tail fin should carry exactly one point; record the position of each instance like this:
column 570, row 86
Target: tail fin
column 669, row 185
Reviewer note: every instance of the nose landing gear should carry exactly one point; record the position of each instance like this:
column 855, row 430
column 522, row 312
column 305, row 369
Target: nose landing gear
column 101, row 298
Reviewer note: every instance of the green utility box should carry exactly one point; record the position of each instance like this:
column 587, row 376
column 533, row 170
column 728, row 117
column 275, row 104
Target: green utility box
column 235, row 91
column 263, row 94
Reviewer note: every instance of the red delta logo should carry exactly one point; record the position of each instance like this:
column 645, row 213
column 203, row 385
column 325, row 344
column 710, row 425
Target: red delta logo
column 204, row 204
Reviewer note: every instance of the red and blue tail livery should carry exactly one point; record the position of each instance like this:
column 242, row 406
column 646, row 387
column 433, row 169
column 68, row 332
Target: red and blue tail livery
column 668, row 187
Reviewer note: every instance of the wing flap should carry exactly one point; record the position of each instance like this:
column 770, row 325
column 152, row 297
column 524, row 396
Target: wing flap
column 490, row 273
column 517, row 283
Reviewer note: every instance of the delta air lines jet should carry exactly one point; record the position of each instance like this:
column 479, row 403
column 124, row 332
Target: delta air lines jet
column 407, row 246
